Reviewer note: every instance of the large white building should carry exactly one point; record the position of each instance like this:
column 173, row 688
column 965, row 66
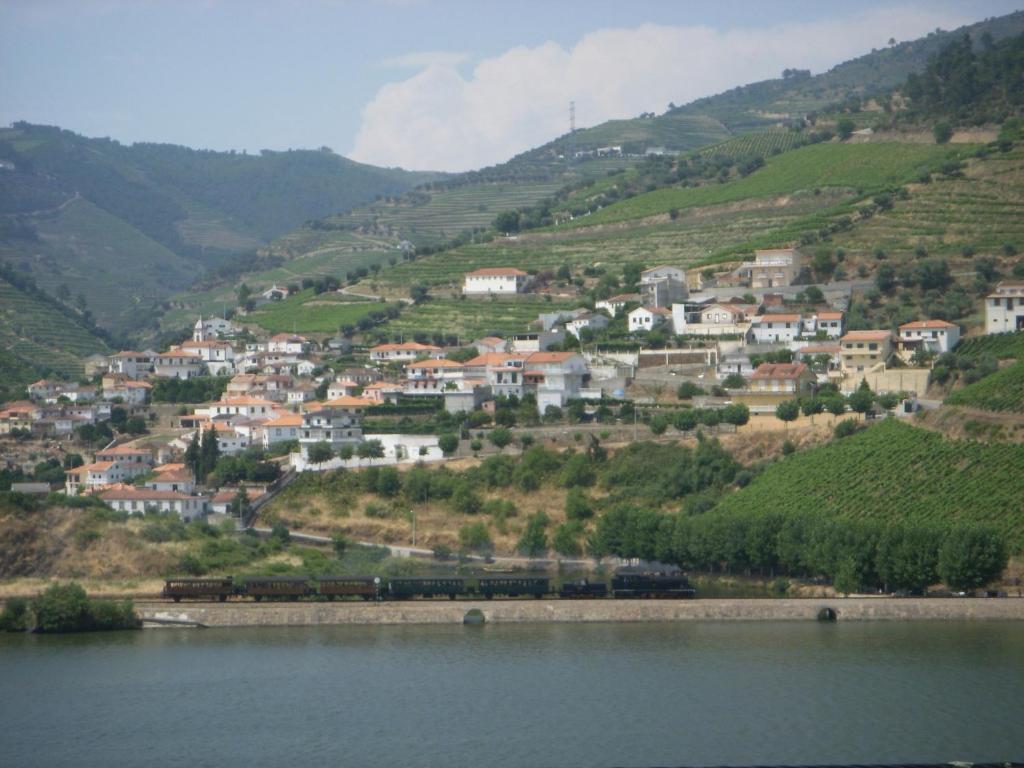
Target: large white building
column 502, row 280
column 647, row 318
column 778, row 328
column 1004, row 308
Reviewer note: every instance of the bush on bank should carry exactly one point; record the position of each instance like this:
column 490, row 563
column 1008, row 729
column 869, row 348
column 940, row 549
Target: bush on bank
column 65, row 608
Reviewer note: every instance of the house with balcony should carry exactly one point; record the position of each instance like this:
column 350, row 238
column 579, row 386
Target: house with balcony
column 336, row 422
column 930, row 336
column 863, row 351
column 178, row 364
column 776, row 328
column 403, row 353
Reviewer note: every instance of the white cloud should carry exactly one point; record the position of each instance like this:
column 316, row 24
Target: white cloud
column 440, row 119
column 424, row 59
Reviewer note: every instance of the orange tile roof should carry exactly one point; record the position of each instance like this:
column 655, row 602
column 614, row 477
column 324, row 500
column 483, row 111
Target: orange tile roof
column 549, row 357
column 286, row 420
column 434, row 364
column 866, row 336
column 922, row 325
column 492, row 358
column 172, row 476
column 496, row 272
column 172, row 466
column 830, row 315
column 123, row 450
column 349, row 402
column 779, row 318
column 779, row 371
column 143, row 494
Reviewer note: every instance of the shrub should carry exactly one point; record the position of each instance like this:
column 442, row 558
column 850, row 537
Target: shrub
column 577, row 505
column 846, row 427
column 448, row 443
column 688, row 390
column 66, row 608
column 566, row 540
column 15, row 615
column 475, row 538
column 534, row 541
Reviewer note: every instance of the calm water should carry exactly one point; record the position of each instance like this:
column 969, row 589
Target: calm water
column 539, row 695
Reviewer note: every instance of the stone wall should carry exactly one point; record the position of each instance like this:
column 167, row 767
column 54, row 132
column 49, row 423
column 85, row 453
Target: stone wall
column 243, row 614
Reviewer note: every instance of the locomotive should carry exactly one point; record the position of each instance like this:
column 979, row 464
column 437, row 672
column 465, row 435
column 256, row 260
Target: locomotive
column 623, row 586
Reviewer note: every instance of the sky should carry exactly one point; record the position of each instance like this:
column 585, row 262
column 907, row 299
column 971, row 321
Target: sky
column 422, row 84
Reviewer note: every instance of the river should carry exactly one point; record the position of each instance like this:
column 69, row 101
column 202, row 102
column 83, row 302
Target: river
column 517, row 695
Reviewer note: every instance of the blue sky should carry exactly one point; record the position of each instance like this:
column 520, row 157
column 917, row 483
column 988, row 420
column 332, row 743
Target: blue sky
column 422, row 84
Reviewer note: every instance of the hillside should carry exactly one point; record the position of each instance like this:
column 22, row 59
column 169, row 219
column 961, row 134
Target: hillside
column 893, row 471
column 39, row 337
column 77, row 211
column 769, row 102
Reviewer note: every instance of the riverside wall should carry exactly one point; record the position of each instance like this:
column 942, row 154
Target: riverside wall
column 239, row 614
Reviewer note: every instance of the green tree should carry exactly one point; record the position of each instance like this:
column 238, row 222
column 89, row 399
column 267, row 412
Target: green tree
column 566, row 539
column 339, row 543
column 448, row 443
column 787, row 410
column 971, row 556
column 465, row 499
column 658, row 424
column 845, row 128
column 737, row 414
column 475, row 537
column 62, row 608
column 507, row 221
column 862, row 399
column 734, row 381
column 577, row 505
column 500, row 437
column 943, row 132
column 370, row 449
column 320, row 452
column 688, row 390
column 577, row 472
column 534, row 541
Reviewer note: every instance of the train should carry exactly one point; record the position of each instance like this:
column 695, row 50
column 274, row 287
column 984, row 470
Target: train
column 371, row 588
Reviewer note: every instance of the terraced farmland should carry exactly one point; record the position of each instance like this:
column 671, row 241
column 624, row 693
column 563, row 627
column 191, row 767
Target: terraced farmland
column 442, row 215
column 328, row 256
column 762, row 143
column 471, row 318
column 864, row 167
column 306, row 313
column 41, row 337
column 693, row 237
column 983, row 210
column 893, row 471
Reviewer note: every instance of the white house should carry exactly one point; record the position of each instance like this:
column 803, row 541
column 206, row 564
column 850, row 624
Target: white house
column 281, row 429
column 212, row 328
column 138, row 501
column 593, row 321
column 430, row 377
column 504, row 280
column 178, row 364
column 537, row 341
column 616, row 304
column 936, row 336
column 219, row 356
column 132, row 364
column 274, row 293
column 709, row 320
column 779, row 328
column 410, row 350
column 647, row 318
column 555, row 377
column 828, row 323
column 336, row 422
column 1004, row 308
column 288, row 344
column 662, row 286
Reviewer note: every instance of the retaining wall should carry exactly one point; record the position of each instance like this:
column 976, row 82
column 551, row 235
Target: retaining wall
column 239, row 614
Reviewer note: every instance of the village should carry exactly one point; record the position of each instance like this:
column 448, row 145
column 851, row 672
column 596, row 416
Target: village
column 738, row 349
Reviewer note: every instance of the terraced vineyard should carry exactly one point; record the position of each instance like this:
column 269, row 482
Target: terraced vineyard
column 893, row 471
column 865, row 167
column 439, row 216
column 326, row 256
column 307, row 313
column 763, row 143
column 472, row 318
column 696, row 235
column 1000, row 391
column 983, row 210
column 42, row 338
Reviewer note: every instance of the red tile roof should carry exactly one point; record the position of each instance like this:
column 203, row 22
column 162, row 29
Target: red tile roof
column 924, row 325
column 779, row 371
column 496, row 272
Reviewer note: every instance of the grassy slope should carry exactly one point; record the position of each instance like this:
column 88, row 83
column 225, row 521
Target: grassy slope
column 866, row 167
column 122, row 273
column 306, row 313
column 1002, row 390
column 471, row 319
column 984, row 209
column 894, row 471
column 36, row 339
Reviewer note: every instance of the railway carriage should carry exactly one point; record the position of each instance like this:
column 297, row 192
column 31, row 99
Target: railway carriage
column 405, row 589
column 512, row 587
column 200, row 589
column 278, row 587
column 331, row 587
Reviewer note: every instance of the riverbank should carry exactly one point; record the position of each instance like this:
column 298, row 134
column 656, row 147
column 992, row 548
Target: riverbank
column 576, row 611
